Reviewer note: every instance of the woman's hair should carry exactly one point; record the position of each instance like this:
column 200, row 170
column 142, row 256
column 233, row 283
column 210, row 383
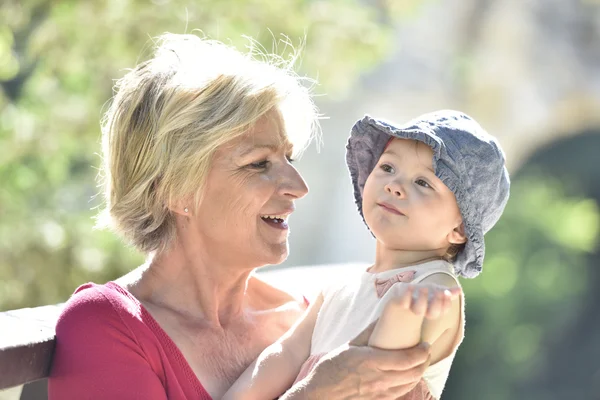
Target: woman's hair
column 169, row 115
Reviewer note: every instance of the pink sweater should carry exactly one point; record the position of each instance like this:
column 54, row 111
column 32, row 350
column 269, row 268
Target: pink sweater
column 109, row 347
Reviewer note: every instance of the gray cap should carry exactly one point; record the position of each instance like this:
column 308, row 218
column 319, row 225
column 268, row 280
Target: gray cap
column 466, row 158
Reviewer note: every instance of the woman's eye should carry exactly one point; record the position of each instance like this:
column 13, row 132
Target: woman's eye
column 423, row 183
column 290, row 159
column 386, row 168
column 259, row 165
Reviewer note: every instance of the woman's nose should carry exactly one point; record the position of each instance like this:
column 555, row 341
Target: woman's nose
column 293, row 185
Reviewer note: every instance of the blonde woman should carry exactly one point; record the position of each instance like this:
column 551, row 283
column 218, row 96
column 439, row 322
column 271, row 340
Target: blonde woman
column 197, row 151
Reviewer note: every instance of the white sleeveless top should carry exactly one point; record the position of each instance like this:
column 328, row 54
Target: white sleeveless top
column 350, row 305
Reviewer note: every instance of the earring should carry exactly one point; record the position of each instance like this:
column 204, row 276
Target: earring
column 185, row 209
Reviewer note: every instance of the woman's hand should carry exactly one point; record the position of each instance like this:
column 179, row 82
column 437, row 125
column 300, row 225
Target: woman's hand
column 360, row 372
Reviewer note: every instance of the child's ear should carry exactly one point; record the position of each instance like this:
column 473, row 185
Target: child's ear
column 457, row 236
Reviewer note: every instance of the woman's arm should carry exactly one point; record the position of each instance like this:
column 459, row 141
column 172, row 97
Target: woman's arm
column 276, row 368
column 360, row 372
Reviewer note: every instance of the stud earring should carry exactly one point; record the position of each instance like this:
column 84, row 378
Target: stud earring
column 185, row 209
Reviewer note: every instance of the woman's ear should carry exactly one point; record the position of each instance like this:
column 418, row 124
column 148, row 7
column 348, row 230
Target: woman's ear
column 182, row 207
column 457, row 235
column 181, row 210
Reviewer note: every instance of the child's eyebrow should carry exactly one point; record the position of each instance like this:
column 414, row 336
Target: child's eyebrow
column 390, row 152
column 429, row 167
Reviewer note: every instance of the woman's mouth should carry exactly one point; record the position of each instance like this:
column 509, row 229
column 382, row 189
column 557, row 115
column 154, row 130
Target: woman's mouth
column 276, row 221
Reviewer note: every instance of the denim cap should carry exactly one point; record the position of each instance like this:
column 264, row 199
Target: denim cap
column 466, row 158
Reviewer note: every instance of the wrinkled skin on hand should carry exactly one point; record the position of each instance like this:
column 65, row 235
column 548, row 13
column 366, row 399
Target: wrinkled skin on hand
column 356, row 371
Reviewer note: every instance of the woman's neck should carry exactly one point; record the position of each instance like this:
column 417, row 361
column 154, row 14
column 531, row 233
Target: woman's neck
column 192, row 286
column 387, row 259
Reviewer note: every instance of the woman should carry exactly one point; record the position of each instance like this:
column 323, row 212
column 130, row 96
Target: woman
column 197, row 147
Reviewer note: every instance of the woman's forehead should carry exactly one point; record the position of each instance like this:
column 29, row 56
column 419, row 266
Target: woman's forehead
column 268, row 129
column 268, row 133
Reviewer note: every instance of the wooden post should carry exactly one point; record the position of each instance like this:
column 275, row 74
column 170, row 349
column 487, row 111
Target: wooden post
column 26, row 344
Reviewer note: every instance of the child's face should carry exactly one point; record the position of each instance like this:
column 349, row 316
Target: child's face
column 405, row 205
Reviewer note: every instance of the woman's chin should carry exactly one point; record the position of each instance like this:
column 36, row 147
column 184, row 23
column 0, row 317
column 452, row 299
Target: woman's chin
column 278, row 253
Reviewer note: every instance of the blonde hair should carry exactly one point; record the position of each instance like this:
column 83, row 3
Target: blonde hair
column 453, row 252
column 171, row 113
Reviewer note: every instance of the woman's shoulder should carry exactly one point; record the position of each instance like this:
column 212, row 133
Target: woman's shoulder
column 108, row 296
column 106, row 348
column 94, row 306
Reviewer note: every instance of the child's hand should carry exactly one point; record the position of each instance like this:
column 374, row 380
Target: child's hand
column 428, row 300
column 401, row 322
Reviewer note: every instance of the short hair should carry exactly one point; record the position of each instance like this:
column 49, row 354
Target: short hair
column 453, row 252
column 172, row 112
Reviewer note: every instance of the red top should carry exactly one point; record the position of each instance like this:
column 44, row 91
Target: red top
column 109, row 347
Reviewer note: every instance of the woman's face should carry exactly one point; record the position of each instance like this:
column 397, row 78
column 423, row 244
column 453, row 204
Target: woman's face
column 249, row 194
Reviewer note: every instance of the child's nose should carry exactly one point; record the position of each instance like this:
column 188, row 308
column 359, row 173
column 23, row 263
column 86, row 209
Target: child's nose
column 395, row 188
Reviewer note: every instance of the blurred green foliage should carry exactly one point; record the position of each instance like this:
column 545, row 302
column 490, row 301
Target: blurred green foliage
column 58, row 60
column 532, row 289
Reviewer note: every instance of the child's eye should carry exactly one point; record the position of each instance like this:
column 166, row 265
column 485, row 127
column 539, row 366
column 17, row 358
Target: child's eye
column 423, row 183
column 259, row 165
column 290, row 159
column 387, row 168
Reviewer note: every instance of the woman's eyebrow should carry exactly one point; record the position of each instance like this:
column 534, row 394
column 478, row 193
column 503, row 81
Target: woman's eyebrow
column 274, row 147
column 249, row 149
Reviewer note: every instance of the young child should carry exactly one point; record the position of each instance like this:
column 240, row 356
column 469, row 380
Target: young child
column 428, row 191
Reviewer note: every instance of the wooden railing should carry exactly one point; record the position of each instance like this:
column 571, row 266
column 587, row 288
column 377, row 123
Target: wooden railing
column 27, row 335
column 26, row 346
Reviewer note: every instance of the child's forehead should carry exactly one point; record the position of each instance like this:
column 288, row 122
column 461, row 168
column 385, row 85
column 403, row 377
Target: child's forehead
column 409, row 150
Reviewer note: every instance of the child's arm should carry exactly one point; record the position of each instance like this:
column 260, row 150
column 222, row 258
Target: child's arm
column 422, row 312
column 441, row 329
column 275, row 370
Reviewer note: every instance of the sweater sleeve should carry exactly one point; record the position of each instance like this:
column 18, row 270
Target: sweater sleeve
column 97, row 356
